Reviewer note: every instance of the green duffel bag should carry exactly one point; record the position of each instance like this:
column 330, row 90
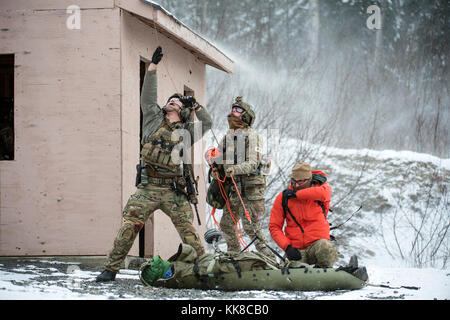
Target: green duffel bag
column 214, row 196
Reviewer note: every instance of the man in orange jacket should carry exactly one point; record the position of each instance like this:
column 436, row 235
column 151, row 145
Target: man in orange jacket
column 304, row 206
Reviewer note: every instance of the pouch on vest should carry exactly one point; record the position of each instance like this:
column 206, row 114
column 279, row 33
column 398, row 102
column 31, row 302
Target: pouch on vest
column 153, row 153
column 158, row 150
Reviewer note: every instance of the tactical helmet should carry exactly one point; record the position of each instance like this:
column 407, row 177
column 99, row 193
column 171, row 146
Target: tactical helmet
column 248, row 116
column 153, row 270
column 212, row 235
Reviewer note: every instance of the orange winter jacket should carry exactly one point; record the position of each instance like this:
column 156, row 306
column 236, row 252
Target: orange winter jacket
column 308, row 213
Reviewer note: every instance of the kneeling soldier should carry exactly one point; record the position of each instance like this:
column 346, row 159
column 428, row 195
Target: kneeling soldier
column 304, row 206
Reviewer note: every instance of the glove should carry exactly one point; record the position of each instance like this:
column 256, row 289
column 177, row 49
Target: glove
column 157, row 55
column 293, row 253
column 188, row 101
column 289, row 193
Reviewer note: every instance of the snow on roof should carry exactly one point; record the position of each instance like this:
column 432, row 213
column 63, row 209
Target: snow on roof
column 171, row 26
column 160, row 7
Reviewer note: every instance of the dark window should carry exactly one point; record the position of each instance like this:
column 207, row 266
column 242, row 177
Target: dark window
column 6, row 106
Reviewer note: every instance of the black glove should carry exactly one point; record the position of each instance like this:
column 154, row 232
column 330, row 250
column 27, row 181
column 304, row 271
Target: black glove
column 288, row 193
column 293, row 253
column 188, row 101
column 157, row 55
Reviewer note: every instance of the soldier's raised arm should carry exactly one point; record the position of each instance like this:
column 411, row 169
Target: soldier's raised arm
column 152, row 114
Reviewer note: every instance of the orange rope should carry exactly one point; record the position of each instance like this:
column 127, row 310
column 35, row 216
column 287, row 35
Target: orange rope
column 238, row 193
column 214, row 218
column 236, row 221
column 211, row 154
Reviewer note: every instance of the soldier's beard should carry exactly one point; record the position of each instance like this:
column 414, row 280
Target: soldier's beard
column 236, row 123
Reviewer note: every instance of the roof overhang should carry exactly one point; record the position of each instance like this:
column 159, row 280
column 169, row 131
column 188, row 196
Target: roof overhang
column 157, row 17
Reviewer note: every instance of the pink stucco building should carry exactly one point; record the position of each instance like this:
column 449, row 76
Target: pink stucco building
column 76, row 71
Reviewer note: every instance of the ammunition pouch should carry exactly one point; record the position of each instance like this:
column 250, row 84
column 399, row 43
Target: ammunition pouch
column 161, row 181
column 158, row 152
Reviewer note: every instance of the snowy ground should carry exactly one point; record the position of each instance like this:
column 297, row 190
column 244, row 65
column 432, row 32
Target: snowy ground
column 26, row 279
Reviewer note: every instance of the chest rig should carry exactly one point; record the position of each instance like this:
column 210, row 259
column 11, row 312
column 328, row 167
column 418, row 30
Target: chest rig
column 241, row 153
column 237, row 151
column 157, row 152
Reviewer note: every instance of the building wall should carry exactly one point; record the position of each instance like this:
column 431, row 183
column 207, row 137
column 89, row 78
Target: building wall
column 62, row 194
column 76, row 121
column 178, row 68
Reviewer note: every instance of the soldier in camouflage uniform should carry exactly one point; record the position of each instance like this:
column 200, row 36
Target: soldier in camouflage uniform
column 243, row 160
column 187, row 263
column 229, row 271
column 162, row 182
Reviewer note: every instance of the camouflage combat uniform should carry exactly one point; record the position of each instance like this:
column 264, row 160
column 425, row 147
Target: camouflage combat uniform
column 187, row 263
column 249, row 174
column 159, row 178
column 321, row 253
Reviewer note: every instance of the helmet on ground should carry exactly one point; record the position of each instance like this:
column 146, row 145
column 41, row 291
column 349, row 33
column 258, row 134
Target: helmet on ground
column 212, row 235
column 153, row 270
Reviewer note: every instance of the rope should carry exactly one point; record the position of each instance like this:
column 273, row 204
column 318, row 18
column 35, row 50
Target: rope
column 236, row 221
column 157, row 41
column 210, row 152
column 214, row 218
column 247, row 214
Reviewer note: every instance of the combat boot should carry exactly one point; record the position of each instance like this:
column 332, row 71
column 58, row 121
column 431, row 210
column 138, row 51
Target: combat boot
column 353, row 263
column 361, row 273
column 106, row 276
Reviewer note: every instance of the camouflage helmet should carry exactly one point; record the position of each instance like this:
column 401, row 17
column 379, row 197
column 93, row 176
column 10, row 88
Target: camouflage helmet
column 248, row 116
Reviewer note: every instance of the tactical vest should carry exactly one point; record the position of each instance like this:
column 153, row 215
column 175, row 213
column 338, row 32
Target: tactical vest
column 216, row 193
column 264, row 165
column 157, row 152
